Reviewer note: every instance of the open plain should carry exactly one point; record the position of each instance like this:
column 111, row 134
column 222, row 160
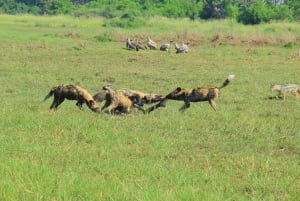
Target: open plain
column 247, row 150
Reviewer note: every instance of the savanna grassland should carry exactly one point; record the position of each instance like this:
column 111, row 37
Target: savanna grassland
column 247, row 150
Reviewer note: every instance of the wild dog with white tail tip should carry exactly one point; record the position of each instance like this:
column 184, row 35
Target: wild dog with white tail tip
column 71, row 92
column 199, row 94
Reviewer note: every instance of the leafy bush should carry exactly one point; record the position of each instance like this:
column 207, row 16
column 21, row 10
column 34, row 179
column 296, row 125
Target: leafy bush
column 124, row 22
column 256, row 13
column 232, row 11
column 247, row 12
column 283, row 12
column 60, row 7
column 12, row 7
column 106, row 37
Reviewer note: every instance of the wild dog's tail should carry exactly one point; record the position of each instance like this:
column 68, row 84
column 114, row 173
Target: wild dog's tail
column 49, row 94
column 227, row 81
column 107, row 87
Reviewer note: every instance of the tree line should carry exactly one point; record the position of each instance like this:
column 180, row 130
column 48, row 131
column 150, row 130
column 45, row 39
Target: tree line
column 244, row 11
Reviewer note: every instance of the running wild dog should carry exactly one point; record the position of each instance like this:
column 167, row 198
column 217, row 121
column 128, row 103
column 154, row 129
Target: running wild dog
column 284, row 89
column 142, row 98
column 198, row 94
column 117, row 102
column 71, row 92
column 137, row 98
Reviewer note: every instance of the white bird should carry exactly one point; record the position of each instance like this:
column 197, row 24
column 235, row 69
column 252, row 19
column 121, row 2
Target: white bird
column 139, row 46
column 182, row 49
column 151, row 44
column 130, row 44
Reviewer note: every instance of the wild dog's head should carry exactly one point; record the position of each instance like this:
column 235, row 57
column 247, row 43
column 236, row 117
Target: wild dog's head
column 273, row 87
column 94, row 106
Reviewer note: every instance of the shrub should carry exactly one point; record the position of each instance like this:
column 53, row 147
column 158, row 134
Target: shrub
column 282, row 12
column 106, row 37
column 232, row 11
column 256, row 13
column 124, row 22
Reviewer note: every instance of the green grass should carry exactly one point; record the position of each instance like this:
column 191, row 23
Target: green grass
column 247, row 150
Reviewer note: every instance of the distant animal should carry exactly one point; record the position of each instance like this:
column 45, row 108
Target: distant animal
column 284, row 89
column 199, row 94
column 71, row 92
column 134, row 44
column 166, row 46
column 151, row 44
column 131, row 45
column 183, row 48
column 139, row 45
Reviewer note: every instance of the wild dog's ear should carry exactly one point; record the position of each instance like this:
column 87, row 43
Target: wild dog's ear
column 178, row 89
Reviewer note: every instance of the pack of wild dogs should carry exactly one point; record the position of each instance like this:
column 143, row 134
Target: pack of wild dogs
column 125, row 101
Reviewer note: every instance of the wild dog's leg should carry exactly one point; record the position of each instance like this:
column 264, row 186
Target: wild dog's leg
column 53, row 104
column 79, row 104
column 57, row 101
column 111, row 108
column 212, row 104
column 139, row 107
column 160, row 104
column 186, row 105
column 106, row 104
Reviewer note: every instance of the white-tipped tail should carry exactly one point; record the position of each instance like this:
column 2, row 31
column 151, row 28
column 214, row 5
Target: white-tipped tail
column 227, row 81
column 230, row 77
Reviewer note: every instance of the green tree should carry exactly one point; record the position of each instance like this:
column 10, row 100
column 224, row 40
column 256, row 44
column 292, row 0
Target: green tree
column 232, row 11
column 60, row 7
column 283, row 12
column 294, row 5
column 213, row 9
column 256, row 13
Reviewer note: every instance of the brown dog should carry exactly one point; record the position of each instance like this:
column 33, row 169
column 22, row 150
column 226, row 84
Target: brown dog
column 117, row 102
column 198, row 94
column 142, row 98
column 71, row 92
column 116, row 97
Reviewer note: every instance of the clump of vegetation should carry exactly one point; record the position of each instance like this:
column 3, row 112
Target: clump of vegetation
column 105, row 37
column 246, row 12
column 124, row 22
column 290, row 45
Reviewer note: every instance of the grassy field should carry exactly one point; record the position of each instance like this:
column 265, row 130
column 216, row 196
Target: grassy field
column 247, row 150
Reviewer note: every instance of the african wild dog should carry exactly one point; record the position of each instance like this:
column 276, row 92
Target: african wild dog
column 284, row 89
column 198, row 94
column 138, row 98
column 142, row 98
column 117, row 102
column 71, row 92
